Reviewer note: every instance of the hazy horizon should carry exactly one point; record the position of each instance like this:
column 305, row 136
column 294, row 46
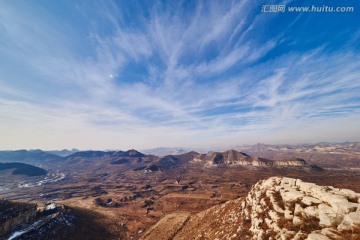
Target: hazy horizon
column 186, row 148
column 195, row 74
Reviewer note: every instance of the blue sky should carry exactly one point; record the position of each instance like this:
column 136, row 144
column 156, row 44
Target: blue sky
column 142, row 74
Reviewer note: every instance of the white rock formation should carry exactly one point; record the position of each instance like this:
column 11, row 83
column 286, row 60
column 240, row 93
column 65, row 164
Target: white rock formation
column 292, row 207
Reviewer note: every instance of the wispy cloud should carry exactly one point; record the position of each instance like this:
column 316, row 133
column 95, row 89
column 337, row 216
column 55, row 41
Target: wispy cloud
column 205, row 73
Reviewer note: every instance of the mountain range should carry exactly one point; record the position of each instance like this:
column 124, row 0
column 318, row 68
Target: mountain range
column 133, row 158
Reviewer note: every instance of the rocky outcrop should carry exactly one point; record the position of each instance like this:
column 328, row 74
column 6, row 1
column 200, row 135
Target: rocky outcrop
column 14, row 214
column 293, row 209
column 279, row 208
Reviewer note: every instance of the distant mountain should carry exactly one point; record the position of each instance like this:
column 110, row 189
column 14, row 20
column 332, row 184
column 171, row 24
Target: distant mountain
column 28, row 156
column 23, row 169
column 54, row 157
column 105, row 154
column 328, row 155
column 323, row 147
column 149, row 163
column 130, row 153
column 163, row 151
column 171, row 161
column 63, row 153
column 130, row 159
column 90, row 154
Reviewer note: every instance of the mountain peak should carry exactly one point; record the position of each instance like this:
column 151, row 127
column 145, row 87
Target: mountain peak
column 134, row 153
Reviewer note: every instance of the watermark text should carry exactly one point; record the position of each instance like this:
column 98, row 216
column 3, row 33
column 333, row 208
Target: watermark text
column 280, row 8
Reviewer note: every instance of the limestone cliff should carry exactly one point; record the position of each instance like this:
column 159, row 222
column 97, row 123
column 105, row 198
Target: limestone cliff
column 234, row 158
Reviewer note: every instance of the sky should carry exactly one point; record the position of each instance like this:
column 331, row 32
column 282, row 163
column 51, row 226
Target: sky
column 143, row 74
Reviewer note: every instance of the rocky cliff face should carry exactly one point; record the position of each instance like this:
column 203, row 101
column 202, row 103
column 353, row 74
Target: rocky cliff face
column 277, row 208
column 233, row 157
